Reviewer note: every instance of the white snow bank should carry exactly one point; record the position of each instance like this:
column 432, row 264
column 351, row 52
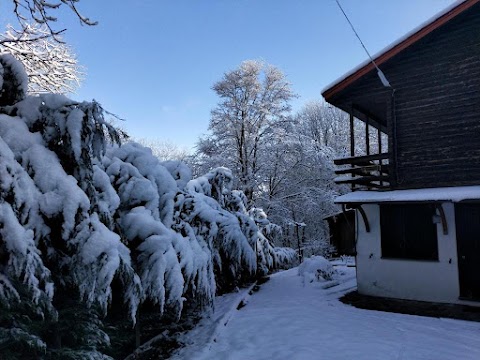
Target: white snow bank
column 316, row 268
column 285, row 320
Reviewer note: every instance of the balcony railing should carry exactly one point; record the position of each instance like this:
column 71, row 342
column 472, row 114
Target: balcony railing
column 364, row 172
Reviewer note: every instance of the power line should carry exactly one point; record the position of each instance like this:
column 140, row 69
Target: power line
column 380, row 73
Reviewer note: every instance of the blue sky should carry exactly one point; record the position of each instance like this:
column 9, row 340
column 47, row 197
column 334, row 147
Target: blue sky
column 153, row 62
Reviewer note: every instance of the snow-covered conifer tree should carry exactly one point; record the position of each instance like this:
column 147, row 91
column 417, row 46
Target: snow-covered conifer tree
column 205, row 209
column 55, row 243
column 88, row 223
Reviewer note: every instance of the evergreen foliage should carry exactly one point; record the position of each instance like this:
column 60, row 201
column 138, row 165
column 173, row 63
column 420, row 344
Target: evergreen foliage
column 89, row 225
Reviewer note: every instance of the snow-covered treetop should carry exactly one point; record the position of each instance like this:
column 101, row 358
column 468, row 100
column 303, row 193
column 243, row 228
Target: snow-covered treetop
column 44, row 13
column 51, row 66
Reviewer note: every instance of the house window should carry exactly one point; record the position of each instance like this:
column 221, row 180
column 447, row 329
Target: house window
column 408, row 232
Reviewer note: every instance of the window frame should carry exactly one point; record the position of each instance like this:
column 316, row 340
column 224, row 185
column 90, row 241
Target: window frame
column 408, row 232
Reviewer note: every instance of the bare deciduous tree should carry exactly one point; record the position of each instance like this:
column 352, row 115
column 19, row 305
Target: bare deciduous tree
column 164, row 150
column 323, row 125
column 328, row 126
column 50, row 65
column 253, row 99
column 43, row 12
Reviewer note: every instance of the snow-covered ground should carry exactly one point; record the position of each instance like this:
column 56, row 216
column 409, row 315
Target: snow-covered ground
column 290, row 318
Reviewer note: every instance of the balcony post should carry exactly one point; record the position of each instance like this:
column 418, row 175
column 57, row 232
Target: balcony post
column 352, row 141
column 367, row 135
column 379, row 134
column 352, row 135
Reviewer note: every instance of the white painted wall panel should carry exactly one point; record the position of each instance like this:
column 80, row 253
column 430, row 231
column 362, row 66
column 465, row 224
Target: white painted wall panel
column 435, row 281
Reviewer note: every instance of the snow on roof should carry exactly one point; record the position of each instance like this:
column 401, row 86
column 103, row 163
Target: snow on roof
column 393, row 45
column 453, row 194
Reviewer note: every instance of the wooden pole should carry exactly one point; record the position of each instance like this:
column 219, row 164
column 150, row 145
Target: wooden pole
column 300, row 251
column 379, row 134
column 303, row 239
column 367, row 135
column 352, row 140
column 352, row 135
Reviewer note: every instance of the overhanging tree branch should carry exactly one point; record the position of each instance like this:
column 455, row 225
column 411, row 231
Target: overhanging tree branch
column 42, row 12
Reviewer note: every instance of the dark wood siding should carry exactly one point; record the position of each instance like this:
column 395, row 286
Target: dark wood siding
column 436, row 116
column 438, row 107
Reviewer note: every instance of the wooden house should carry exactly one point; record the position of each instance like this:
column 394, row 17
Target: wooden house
column 418, row 197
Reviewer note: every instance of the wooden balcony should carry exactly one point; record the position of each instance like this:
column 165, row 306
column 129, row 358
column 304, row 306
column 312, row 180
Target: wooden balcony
column 369, row 172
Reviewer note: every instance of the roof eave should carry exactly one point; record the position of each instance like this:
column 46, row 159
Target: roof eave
column 394, row 50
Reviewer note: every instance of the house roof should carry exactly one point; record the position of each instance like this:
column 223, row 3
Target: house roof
column 398, row 46
column 452, row 194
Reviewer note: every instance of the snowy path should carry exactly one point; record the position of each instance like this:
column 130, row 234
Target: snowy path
column 289, row 320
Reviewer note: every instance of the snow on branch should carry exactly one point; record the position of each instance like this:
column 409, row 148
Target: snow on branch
column 90, row 222
column 41, row 12
column 52, row 66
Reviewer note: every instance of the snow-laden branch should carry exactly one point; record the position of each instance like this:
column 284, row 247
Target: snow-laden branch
column 41, row 12
column 51, row 66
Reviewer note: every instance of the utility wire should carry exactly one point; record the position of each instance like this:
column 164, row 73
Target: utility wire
column 381, row 75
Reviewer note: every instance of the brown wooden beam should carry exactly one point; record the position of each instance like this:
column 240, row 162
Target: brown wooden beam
column 367, row 135
column 379, row 134
column 383, row 169
column 364, row 180
column 352, row 135
column 362, row 114
column 358, row 160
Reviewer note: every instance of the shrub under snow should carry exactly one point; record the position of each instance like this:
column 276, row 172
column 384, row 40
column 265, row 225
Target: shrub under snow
column 316, row 268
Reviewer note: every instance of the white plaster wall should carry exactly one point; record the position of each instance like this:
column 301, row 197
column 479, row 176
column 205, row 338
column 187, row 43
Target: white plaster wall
column 435, row 281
